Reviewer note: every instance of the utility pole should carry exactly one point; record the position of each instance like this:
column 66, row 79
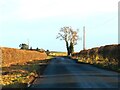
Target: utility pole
column 119, row 23
column 84, row 38
column 28, row 43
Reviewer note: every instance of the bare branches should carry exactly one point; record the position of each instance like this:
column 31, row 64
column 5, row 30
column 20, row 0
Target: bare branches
column 61, row 36
column 69, row 35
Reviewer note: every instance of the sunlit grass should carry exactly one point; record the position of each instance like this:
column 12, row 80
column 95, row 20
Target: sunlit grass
column 105, row 57
column 50, row 57
column 17, row 75
column 103, row 63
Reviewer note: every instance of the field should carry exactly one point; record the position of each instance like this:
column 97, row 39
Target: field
column 55, row 53
column 20, row 67
column 11, row 56
column 22, row 76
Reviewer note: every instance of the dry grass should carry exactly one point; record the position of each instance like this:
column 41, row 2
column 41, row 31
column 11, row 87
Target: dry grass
column 20, row 67
column 58, row 54
column 106, row 56
column 21, row 75
column 13, row 56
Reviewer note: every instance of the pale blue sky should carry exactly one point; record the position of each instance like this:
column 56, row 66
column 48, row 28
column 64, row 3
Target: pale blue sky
column 39, row 21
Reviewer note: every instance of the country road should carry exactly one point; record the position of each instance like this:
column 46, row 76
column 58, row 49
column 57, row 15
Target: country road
column 66, row 73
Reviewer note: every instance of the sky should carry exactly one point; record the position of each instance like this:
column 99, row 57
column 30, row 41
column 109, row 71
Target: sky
column 39, row 21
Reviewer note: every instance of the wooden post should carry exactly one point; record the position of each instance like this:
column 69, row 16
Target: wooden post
column 84, row 38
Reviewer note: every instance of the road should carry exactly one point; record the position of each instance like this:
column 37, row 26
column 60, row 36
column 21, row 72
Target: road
column 66, row 73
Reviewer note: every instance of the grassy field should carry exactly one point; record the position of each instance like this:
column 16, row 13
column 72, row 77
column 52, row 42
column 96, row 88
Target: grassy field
column 56, row 53
column 13, row 56
column 22, row 75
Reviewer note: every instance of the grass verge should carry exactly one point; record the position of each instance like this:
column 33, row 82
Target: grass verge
column 20, row 76
column 102, row 66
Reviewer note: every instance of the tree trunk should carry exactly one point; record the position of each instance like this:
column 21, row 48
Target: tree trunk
column 67, row 46
column 71, row 48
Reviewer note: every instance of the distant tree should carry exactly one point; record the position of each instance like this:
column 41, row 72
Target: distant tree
column 70, row 37
column 30, row 48
column 37, row 49
column 24, row 46
column 47, row 52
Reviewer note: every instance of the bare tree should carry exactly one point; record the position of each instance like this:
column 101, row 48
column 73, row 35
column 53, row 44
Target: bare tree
column 70, row 37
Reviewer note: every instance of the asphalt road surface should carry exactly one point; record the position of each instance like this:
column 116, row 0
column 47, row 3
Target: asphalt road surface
column 66, row 73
